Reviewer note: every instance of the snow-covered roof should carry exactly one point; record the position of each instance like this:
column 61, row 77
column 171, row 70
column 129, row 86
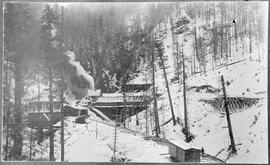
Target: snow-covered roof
column 75, row 106
column 140, row 80
column 126, row 94
column 92, row 92
column 182, row 144
column 119, row 97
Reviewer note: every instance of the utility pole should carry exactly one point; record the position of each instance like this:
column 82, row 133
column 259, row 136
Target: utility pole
column 184, row 95
column 115, row 137
column 62, row 91
column 31, row 139
column 228, row 116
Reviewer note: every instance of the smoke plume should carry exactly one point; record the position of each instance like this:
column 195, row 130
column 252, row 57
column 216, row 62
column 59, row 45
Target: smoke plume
column 80, row 70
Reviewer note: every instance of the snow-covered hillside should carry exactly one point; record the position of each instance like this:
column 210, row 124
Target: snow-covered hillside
column 94, row 141
column 244, row 77
column 209, row 125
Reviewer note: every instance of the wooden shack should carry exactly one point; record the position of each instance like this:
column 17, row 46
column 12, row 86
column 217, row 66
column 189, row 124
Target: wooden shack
column 137, row 84
column 132, row 99
column 112, row 104
column 94, row 94
column 183, row 152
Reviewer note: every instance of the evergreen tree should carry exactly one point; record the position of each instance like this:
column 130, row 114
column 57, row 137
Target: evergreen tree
column 49, row 21
column 16, row 49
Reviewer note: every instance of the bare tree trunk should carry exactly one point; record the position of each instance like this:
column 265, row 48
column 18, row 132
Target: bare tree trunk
column 235, row 28
column 8, row 103
column 62, row 91
column 184, row 95
column 227, row 49
column 177, row 62
column 250, row 37
column 196, row 43
column 228, row 116
column 167, row 86
column 221, row 40
column 18, row 139
column 204, row 57
column 194, row 58
column 30, row 145
column 38, row 106
column 62, row 127
column 52, row 116
column 215, row 40
column 243, row 31
column 230, row 38
column 157, row 128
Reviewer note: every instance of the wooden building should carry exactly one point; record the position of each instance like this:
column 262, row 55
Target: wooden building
column 39, row 112
column 112, row 104
column 39, row 115
column 183, row 152
column 133, row 98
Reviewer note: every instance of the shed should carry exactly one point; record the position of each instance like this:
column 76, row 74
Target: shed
column 139, row 83
column 183, row 152
column 94, row 93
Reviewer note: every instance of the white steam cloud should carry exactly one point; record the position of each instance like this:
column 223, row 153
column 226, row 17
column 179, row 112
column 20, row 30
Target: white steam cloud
column 80, row 70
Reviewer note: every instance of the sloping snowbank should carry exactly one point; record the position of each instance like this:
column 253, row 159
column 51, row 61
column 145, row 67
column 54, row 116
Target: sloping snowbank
column 209, row 125
column 93, row 142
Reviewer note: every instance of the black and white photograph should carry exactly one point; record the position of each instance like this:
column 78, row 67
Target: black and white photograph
column 135, row 82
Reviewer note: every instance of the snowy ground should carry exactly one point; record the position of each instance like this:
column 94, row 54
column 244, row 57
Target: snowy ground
column 208, row 125
column 93, row 142
column 245, row 77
